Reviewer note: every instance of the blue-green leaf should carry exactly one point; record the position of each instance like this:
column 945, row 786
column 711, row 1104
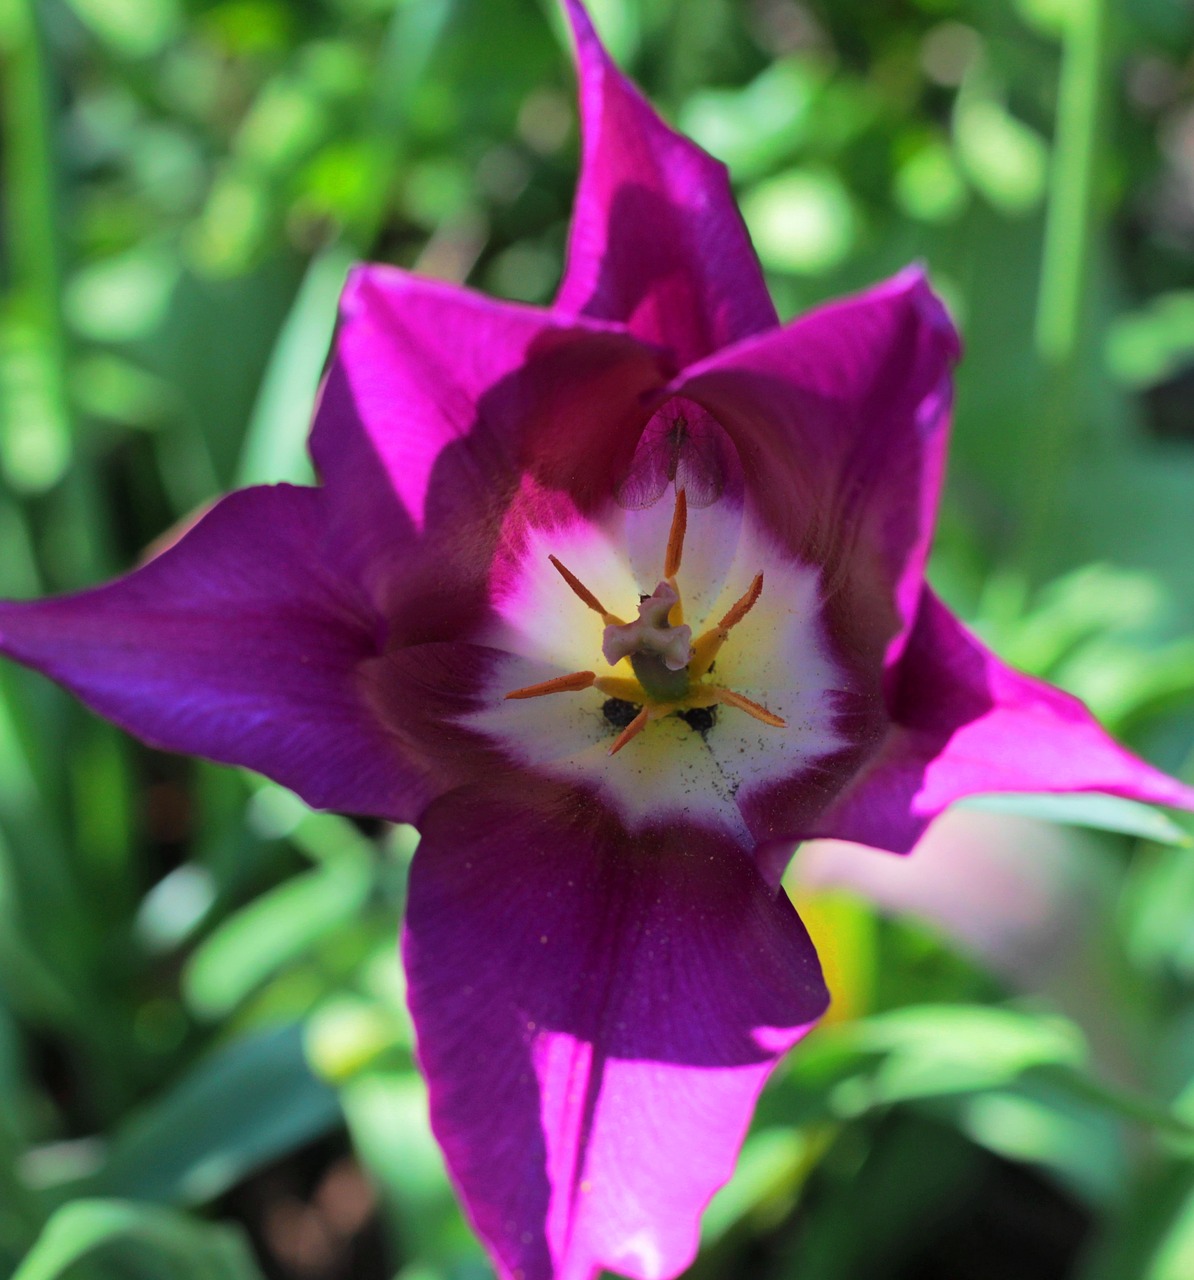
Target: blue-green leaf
column 248, row 1103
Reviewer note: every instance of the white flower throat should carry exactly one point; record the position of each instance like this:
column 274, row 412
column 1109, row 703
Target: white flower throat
column 733, row 684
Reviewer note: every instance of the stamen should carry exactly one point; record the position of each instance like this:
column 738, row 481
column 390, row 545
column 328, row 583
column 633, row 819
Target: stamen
column 667, row 664
column 583, row 592
column 707, row 645
column 732, row 699
column 739, row 610
column 561, row 684
column 675, row 539
column 632, row 730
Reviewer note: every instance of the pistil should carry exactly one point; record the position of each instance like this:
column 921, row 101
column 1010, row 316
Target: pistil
column 652, row 633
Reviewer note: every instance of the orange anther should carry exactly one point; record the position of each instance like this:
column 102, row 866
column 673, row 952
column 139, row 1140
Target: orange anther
column 577, row 586
column 732, row 699
column 743, row 606
column 584, row 594
column 561, row 684
column 706, row 647
column 675, row 539
column 632, row 730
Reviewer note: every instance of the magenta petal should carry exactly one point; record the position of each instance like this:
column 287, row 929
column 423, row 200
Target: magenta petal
column 965, row 724
column 240, row 643
column 596, row 1014
column 841, row 420
column 436, row 403
column 657, row 240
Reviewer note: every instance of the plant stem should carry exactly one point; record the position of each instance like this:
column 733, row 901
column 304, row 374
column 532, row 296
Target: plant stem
column 35, row 442
column 1065, row 269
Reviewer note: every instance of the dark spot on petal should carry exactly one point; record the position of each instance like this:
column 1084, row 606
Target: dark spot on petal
column 701, row 719
column 619, row 712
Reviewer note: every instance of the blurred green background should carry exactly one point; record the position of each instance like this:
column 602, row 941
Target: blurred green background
column 205, row 1063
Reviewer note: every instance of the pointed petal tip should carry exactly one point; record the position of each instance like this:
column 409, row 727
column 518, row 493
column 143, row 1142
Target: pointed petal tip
column 964, row 724
column 236, row 643
column 656, row 239
column 578, row 19
column 359, row 278
column 914, row 282
column 1160, row 789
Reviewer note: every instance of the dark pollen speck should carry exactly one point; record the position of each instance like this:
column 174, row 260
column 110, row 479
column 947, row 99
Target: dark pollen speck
column 619, row 712
column 702, row 719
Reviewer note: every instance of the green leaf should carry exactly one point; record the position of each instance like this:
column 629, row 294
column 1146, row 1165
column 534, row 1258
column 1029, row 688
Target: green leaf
column 938, row 1050
column 387, row 1119
column 138, row 1239
column 1174, row 1258
column 273, row 931
column 1089, row 809
column 1079, row 1144
column 249, row 1103
column 770, row 1167
column 752, row 128
column 802, row 221
column 1151, row 1236
column 1147, row 346
column 275, row 442
column 1004, row 158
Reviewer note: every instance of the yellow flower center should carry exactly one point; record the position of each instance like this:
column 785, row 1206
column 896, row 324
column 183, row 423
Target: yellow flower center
column 658, row 668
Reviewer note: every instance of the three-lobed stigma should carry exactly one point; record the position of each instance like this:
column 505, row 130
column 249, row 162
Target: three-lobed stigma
column 661, row 670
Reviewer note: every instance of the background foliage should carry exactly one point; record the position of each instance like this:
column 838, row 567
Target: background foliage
column 205, row 1063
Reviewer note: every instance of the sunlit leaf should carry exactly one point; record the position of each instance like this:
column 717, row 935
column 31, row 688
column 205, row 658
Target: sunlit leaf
column 136, row 1239
column 273, row 930
column 1004, row 158
column 802, row 221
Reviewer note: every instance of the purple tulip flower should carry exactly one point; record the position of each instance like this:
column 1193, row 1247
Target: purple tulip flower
column 616, row 601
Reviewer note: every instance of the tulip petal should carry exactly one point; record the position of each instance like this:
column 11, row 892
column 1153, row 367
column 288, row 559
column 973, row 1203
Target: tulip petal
column 656, row 240
column 841, row 420
column 240, row 642
column 965, row 724
column 596, row 1014
column 436, row 403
